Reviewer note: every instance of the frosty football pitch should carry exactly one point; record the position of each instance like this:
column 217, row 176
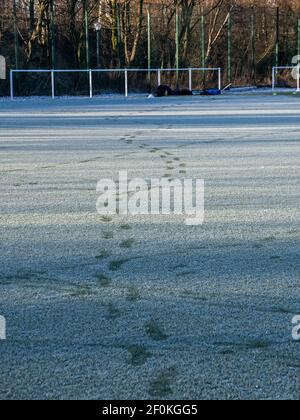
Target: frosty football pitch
column 146, row 308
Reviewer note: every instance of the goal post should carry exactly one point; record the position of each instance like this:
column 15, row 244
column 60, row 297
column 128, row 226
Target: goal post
column 190, row 74
column 51, row 78
column 95, row 81
column 286, row 77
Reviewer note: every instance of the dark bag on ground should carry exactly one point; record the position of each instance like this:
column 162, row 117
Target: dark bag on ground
column 211, row 92
column 164, row 90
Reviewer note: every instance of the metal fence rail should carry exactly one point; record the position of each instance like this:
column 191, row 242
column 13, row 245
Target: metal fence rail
column 126, row 72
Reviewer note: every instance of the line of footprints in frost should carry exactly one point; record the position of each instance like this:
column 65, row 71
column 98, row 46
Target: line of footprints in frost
column 161, row 385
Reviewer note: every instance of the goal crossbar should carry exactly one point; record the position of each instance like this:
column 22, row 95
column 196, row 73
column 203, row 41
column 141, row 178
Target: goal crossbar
column 275, row 71
column 126, row 73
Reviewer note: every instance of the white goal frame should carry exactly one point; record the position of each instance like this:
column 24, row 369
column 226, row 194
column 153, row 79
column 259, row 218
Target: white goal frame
column 126, row 73
column 275, row 73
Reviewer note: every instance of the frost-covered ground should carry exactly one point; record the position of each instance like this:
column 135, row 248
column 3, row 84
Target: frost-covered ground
column 148, row 307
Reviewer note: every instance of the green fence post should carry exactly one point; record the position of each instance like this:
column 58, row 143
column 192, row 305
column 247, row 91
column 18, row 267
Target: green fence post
column 202, row 35
column 253, row 41
column 149, row 44
column 16, row 35
column 120, row 53
column 277, row 37
column 299, row 37
column 177, row 44
column 87, row 44
column 53, row 33
column 229, row 39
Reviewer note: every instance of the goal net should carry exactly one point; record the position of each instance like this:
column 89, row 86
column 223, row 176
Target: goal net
column 286, row 78
column 94, row 82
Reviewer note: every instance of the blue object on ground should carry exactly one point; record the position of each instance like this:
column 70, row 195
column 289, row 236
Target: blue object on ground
column 212, row 92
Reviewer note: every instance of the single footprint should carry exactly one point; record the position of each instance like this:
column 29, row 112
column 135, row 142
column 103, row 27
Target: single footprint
column 269, row 238
column 108, row 235
column 161, row 385
column 257, row 246
column 106, row 219
column 113, row 312
column 133, row 294
column 103, row 254
column 139, row 355
column 180, row 266
column 117, row 264
column 128, row 243
column 125, row 227
column 154, row 331
column 185, row 274
column 103, row 280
